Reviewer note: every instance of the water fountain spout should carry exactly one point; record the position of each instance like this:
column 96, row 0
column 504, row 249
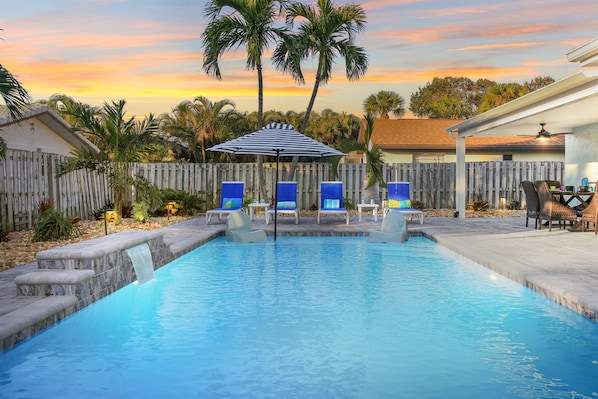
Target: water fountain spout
column 141, row 257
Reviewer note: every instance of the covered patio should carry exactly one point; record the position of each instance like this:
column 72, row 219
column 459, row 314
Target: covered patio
column 566, row 107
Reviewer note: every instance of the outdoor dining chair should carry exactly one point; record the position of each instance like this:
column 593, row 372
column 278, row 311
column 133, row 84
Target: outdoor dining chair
column 532, row 203
column 590, row 215
column 551, row 209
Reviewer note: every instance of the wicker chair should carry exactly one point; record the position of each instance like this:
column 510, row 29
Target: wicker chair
column 590, row 215
column 551, row 209
column 532, row 203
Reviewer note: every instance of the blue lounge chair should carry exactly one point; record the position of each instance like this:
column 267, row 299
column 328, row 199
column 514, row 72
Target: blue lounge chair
column 239, row 229
column 331, row 200
column 287, row 201
column 231, row 200
column 399, row 199
column 394, row 230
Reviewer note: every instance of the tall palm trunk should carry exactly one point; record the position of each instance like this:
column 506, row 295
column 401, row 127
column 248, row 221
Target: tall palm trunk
column 260, row 123
column 310, row 106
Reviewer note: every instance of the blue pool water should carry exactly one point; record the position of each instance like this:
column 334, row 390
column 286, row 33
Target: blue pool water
column 313, row 317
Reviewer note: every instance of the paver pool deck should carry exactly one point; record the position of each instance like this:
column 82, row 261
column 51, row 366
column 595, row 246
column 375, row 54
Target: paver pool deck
column 560, row 264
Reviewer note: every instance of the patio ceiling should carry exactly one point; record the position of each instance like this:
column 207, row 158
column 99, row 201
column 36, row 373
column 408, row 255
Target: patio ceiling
column 563, row 106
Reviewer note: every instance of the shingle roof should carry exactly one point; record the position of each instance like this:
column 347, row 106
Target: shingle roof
column 430, row 134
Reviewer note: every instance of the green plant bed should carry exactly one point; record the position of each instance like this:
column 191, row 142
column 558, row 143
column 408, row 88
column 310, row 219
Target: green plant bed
column 53, row 225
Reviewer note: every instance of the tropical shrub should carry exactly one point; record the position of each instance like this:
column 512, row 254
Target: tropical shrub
column 53, row 225
column 479, row 205
column 189, row 204
column 140, row 211
column 44, row 205
column 415, row 204
column 148, row 193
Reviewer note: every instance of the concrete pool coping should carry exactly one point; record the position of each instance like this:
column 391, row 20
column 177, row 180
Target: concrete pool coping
column 557, row 264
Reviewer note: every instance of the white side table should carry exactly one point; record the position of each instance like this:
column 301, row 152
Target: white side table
column 373, row 207
column 258, row 205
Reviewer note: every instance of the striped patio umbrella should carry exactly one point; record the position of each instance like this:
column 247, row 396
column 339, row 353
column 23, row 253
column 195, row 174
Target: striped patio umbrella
column 276, row 139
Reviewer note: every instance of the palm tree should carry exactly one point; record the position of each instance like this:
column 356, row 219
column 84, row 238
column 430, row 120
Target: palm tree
column 196, row 123
column 500, row 94
column 180, row 125
column 325, row 31
column 67, row 107
column 383, row 102
column 121, row 141
column 211, row 116
column 250, row 24
column 14, row 96
column 373, row 155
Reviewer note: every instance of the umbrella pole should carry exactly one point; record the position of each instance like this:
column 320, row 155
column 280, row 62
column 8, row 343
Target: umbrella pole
column 276, row 196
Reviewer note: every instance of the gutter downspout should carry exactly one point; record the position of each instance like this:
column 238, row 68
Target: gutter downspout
column 460, row 181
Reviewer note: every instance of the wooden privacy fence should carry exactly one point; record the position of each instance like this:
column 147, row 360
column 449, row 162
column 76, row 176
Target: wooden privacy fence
column 26, row 178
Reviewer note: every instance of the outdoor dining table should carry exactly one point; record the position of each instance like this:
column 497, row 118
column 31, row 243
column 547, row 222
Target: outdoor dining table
column 584, row 197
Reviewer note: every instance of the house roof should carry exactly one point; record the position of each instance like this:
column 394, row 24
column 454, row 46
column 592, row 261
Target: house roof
column 51, row 119
column 430, row 134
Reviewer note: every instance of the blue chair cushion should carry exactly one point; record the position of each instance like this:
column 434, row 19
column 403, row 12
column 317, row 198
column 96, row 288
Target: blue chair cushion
column 399, row 203
column 331, row 203
column 287, row 204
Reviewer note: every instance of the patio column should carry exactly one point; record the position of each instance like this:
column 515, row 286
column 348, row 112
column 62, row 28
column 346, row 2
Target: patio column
column 460, row 183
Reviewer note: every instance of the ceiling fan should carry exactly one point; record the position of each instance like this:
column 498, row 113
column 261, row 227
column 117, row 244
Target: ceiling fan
column 544, row 134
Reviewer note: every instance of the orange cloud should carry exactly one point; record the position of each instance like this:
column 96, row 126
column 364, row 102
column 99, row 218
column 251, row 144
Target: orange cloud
column 499, row 46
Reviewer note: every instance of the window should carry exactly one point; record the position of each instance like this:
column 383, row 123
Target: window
column 507, row 157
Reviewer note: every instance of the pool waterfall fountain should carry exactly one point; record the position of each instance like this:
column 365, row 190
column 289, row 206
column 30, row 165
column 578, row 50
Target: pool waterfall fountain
column 141, row 257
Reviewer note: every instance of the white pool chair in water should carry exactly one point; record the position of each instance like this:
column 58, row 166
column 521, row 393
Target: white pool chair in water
column 394, row 229
column 239, row 229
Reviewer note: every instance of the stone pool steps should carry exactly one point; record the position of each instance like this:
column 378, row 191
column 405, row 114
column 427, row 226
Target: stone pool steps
column 71, row 277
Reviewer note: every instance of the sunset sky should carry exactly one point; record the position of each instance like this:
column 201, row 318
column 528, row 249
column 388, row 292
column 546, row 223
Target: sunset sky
column 149, row 52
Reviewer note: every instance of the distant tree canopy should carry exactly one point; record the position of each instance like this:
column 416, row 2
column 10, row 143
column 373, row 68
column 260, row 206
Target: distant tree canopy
column 462, row 98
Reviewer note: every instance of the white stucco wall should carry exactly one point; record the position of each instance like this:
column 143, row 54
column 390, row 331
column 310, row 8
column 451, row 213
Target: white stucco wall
column 469, row 157
column 396, row 158
column 31, row 135
column 581, row 155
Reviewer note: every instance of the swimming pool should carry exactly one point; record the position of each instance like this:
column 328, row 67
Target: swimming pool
column 313, row 317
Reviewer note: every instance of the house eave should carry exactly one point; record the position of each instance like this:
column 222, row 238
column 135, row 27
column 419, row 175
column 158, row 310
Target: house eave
column 586, row 54
column 524, row 114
